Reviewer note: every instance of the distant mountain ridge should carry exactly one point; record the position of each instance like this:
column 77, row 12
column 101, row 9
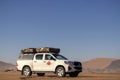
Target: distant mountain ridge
column 98, row 63
column 114, row 66
column 102, row 65
column 6, row 66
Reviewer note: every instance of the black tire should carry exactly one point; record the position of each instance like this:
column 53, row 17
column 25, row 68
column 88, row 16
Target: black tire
column 27, row 71
column 60, row 72
column 40, row 74
column 73, row 74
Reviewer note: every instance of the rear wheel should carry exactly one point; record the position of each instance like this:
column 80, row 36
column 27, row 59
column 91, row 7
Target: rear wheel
column 27, row 71
column 60, row 71
column 40, row 74
column 73, row 74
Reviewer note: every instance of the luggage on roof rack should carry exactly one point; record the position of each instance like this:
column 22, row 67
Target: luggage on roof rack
column 29, row 50
column 41, row 50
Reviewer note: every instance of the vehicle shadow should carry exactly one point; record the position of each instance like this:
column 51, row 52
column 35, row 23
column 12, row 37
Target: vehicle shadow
column 54, row 77
column 27, row 78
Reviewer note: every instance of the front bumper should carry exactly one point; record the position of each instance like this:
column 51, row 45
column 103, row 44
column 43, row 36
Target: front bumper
column 74, row 68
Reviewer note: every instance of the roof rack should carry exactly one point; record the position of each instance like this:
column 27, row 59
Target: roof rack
column 40, row 50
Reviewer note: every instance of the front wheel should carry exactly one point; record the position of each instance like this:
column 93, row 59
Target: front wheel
column 60, row 71
column 27, row 71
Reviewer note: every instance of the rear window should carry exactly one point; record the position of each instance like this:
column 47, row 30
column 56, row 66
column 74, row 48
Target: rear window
column 26, row 56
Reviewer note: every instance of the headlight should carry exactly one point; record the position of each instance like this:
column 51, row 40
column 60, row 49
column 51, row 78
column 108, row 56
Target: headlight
column 68, row 62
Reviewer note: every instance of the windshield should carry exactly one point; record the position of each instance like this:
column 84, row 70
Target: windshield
column 60, row 57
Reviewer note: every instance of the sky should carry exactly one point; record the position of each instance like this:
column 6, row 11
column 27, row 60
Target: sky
column 82, row 29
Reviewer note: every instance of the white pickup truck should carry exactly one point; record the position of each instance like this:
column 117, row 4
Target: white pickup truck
column 40, row 63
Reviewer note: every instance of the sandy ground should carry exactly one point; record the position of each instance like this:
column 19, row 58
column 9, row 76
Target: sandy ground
column 82, row 76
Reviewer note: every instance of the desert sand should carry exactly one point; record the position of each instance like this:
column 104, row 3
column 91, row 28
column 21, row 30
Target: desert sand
column 82, row 76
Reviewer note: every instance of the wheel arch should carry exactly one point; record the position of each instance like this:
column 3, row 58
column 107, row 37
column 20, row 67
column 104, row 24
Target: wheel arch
column 60, row 66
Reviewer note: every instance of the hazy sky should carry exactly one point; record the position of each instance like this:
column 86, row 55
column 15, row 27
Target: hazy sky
column 83, row 29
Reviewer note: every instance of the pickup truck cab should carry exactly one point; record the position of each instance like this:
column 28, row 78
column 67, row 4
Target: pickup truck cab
column 40, row 63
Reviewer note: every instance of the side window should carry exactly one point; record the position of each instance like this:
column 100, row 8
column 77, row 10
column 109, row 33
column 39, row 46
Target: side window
column 48, row 57
column 26, row 56
column 39, row 57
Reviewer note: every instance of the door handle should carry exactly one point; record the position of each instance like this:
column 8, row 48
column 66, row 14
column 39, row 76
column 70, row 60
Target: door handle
column 35, row 61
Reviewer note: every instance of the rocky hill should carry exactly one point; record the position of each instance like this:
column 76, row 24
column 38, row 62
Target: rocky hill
column 6, row 66
column 114, row 66
column 102, row 65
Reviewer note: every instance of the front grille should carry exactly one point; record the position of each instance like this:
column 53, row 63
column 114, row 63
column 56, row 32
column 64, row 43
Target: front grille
column 78, row 68
column 77, row 63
